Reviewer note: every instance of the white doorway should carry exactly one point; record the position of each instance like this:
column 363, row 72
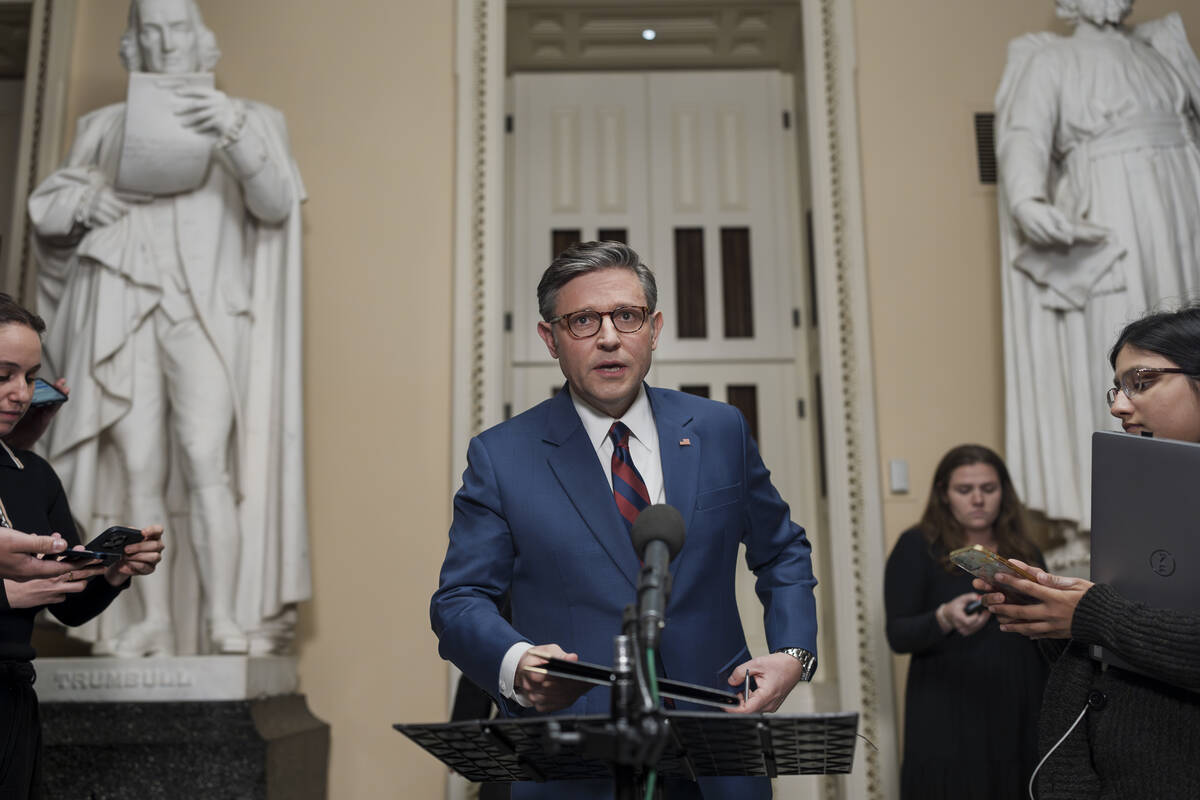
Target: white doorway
column 812, row 40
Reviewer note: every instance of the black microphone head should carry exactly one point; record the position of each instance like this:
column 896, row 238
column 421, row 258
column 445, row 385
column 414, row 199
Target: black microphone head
column 661, row 522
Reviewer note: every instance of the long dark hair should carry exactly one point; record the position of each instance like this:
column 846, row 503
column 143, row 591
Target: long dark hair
column 1170, row 334
column 943, row 531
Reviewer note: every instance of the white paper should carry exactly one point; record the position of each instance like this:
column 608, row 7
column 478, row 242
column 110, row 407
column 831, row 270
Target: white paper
column 160, row 155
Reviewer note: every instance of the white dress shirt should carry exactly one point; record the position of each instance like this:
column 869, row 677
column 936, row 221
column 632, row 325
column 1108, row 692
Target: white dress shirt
column 643, row 446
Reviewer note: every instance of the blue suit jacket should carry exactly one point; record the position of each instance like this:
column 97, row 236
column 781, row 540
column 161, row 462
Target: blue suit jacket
column 535, row 519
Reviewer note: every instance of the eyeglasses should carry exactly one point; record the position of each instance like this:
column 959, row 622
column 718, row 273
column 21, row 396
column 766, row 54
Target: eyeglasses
column 1137, row 380
column 585, row 324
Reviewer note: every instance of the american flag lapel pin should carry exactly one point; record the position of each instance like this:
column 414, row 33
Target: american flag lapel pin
column 685, row 442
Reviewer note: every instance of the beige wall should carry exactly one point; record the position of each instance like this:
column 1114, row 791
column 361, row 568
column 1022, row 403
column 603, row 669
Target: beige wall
column 367, row 89
column 925, row 67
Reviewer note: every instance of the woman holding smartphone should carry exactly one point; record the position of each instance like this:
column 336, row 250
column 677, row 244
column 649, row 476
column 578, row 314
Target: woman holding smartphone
column 32, row 500
column 1140, row 735
column 973, row 694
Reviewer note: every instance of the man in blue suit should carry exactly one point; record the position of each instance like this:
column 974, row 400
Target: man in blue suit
column 536, row 520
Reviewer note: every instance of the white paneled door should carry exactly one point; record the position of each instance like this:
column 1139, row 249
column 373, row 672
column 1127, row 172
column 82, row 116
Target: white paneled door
column 696, row 171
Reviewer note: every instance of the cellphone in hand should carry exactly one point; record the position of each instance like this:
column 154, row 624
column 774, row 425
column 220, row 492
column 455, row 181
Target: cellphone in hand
column 108, row 547
column 46, row 394
column 983, row 563
column 85, row 555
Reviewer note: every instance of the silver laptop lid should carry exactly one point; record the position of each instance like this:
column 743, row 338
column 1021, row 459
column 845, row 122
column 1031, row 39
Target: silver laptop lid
column 1146, row 521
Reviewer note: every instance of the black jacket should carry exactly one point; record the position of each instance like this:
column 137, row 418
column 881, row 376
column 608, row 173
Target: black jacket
column 33, row 500
column 1140, row 737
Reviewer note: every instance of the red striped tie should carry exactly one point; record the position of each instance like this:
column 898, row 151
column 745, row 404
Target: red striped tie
column 629, row 489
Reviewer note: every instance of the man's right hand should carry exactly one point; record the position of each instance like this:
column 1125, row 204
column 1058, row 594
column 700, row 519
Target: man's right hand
column 19, row 551
column 547, row 692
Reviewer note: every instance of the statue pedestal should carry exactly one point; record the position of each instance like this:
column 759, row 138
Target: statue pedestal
column 187, row 727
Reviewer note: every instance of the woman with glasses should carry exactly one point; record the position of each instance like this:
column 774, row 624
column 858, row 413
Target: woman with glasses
column 973, row 694
column 1140, row 735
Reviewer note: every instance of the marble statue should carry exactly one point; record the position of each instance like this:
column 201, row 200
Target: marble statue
column 172, row 291
column 1099, row 197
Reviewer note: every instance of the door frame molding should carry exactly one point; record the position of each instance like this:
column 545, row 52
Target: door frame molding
column 848, row 389
column 862, row 658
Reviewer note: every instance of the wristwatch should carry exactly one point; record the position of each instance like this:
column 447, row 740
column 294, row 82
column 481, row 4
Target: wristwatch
column 807, row 660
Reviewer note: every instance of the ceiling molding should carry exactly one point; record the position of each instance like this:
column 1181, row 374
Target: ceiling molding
column 608, row 35
column 600, row 4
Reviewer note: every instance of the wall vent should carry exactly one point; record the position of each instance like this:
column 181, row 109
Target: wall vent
column 985, row 147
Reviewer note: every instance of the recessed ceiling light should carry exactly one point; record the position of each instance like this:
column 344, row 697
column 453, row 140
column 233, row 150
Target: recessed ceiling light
column 649, row 34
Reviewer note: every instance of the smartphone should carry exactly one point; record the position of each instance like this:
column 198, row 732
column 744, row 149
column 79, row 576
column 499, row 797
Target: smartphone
column 114, row 540
column 108, row 547
column 983, row 563
column 46, row 394
column 85, row 555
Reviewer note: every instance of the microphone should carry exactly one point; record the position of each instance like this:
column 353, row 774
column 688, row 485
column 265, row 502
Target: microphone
column 658, row 538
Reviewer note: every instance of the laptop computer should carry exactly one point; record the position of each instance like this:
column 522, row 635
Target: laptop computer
column 1146, row 522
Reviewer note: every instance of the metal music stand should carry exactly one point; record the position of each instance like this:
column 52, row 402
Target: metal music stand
column 639, row 737
column 701, row 744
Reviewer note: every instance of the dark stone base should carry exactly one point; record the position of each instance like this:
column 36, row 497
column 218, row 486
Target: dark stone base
column 268, row 749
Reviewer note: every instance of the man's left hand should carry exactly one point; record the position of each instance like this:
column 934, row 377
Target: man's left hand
column 775, row 675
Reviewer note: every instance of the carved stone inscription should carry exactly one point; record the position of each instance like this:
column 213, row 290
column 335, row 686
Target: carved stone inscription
column 128, row 678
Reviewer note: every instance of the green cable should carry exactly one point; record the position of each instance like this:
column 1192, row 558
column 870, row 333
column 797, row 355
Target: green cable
column 650, row 784
column 652, row 776
column 653, row 673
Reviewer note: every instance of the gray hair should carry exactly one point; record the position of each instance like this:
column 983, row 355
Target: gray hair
column 1112, row 12
column 207, row 52
column 584, row 257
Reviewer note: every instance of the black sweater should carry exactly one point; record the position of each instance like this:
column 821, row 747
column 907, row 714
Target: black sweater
column 1141, row 735
column 34, row 500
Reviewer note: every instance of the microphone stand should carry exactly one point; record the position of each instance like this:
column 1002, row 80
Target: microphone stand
column 634, row 740
column 637, row 717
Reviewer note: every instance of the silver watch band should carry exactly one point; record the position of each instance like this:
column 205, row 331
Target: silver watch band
column 807, row 660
